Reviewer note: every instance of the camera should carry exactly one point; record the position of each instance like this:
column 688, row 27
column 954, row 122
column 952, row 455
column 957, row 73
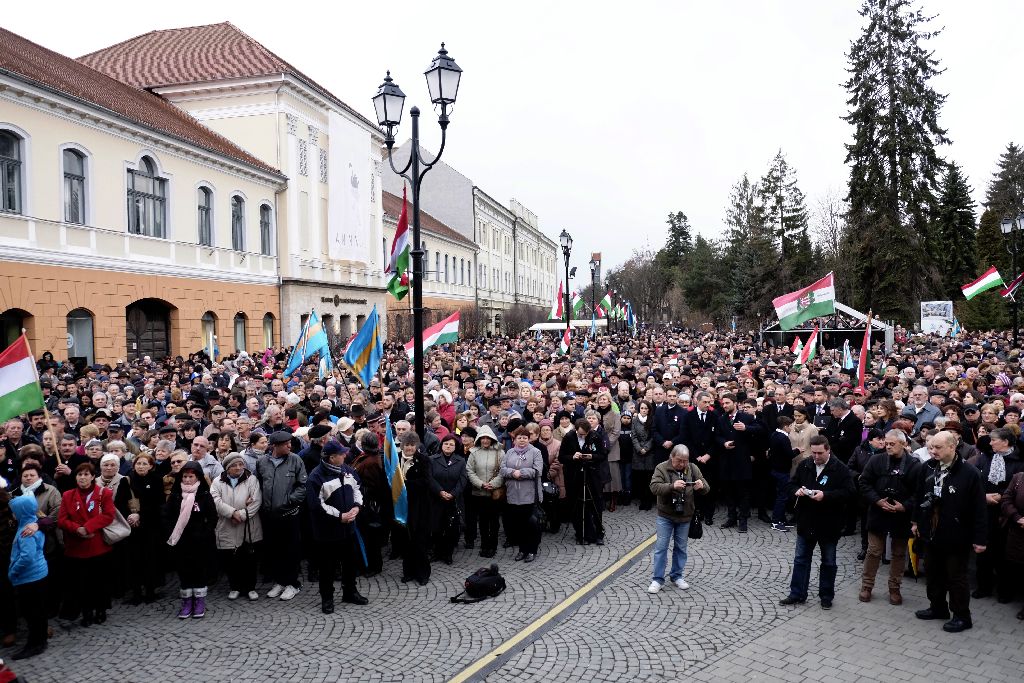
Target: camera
column 890, row 495
column 927, row 501
column 678, row 504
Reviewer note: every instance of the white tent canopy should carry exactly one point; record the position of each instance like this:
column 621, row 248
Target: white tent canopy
column 556, row 325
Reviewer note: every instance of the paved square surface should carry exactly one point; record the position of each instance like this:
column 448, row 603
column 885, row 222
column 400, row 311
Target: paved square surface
column 727, row 626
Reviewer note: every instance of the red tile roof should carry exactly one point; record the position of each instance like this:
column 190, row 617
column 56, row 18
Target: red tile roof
column 34, row 63
column 196, row 54
column 393, row 208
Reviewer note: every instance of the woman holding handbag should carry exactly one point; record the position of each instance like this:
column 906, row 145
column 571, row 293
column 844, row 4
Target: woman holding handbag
column 487, row 495
column 84, row 511
column 447, row 484
column 236, row 493
column 140, row 499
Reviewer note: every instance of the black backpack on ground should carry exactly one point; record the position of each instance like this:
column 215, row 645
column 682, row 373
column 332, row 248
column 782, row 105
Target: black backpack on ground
column 484, row 583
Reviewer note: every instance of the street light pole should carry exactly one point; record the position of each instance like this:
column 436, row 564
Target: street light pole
column 593, row 288
column 443, row 78
column 566, row 241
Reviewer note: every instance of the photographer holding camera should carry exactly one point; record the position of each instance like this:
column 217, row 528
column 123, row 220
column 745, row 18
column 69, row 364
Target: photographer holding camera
column 674, row 483
column 888, row 485
column 823, row 487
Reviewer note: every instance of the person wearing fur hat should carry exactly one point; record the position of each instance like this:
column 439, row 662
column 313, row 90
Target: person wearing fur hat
column 334, row 500
column 236, row 493
column 190, row 517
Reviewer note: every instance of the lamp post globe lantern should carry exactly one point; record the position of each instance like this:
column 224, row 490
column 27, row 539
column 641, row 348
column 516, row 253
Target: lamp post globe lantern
column 443, row 78
column 1006, row 225
column 389, row 103
column 565, row 239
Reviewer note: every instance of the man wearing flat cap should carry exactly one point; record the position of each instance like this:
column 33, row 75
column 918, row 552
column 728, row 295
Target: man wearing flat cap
column 311, row 454
column 283, row 481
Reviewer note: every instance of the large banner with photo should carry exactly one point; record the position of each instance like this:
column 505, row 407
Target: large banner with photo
column 936, row 317
column 349, row 182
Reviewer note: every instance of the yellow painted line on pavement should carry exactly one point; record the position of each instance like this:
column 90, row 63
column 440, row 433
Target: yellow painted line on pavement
column 468, row 673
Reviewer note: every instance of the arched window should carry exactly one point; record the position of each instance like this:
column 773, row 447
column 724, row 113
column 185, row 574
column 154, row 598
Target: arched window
column 209, row 325
column 74, row 187
column 147, row 200
column 266, row 227
column 205, row 216
column 240, row 321
column 268, row 331
column 80, row 335
column 10, row 172
column 237, row 223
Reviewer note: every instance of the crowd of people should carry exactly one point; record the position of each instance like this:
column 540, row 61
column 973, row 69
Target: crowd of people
column 182, row 472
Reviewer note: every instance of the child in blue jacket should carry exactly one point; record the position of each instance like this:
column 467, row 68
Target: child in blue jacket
column 28, row 575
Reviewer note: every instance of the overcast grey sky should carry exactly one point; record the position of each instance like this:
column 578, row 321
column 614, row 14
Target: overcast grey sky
column 603, row 117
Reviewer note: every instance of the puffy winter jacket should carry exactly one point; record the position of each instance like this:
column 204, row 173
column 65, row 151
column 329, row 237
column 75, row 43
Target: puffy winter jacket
column 28, row 563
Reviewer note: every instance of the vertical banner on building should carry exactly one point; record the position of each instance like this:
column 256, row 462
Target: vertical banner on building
column 349, row 184
column 936, row 317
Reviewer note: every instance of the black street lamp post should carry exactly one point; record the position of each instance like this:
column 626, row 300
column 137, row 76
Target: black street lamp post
column 443, row 77
column 1011, row 227
column 566, row 241
column 594, row 265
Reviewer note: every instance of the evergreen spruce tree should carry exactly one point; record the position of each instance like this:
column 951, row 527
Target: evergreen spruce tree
column 786, row 218
column 955, row 221
column 679, row 241
column 751, row 257
column 1005, row 195
column 702, row 281
column 894, row 165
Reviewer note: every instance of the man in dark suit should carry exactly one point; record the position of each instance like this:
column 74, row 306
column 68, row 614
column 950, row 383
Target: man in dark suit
column 819, row 408
column 775, row 407
column 699, row 427
column 843, row 430
column 668, row 426
column 736, row 437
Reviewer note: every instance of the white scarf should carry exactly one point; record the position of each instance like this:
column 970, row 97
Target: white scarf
column 32, row 487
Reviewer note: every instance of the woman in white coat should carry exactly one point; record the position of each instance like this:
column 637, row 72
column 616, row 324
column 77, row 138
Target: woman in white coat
column 237, row 495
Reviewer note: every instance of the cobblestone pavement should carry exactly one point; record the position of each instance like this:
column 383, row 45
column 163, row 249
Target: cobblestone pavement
column 726, row 627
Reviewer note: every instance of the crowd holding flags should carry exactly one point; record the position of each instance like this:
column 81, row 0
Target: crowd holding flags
column 809, row 350
column 20, row 392
column 312, row 340
column 444, row 332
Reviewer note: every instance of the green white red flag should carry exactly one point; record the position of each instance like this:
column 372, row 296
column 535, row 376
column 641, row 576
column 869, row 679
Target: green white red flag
column 806, row 304
column 797, row 345
column 809, row 350
column 19, row 381
column 990, row 279
column 444, row 332
column 558, row 306
column 865, row 356
column 563, row 346
column 398, row 265
column 1011, row 288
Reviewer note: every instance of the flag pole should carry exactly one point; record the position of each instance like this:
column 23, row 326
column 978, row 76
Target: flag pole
column 46, row 411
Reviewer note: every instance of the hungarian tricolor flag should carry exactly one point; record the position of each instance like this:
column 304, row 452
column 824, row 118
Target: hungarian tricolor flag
column 398, row 266
column 806, row 304
column 557, row 308
column 444, row 332
column 1011, row 288
column 865, row 355
column 563, row 346
column 990, row 279
column 604, row 305
column 577, row 304
column 809, row 351
column 19, row 381
column 797, row 345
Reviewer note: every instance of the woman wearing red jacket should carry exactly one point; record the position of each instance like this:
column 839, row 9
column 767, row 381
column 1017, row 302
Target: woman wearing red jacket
column 84, row 511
